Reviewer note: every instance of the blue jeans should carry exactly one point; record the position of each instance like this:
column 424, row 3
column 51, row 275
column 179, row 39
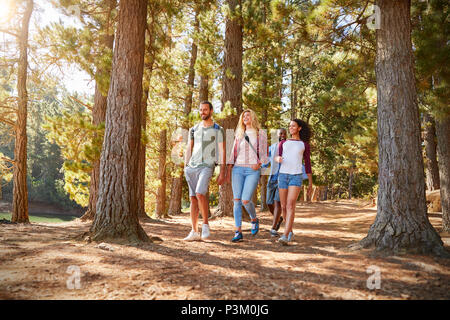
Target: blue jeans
column 244, row 182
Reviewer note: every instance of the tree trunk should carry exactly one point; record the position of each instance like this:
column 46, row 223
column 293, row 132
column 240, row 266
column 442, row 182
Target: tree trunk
column 431, row 164
column 116, row 216
column 176, row 195
column 204, row 88
column 20, row 190
column 161, row 197
column 325, row 194
column 350, row 183
column 293, row 97
column 148, row 70
column 443, row 139
column 98, row 116
column 231, row 91
column 142, row 150
column 263, row 179
column 401, row 223
column 177, row 182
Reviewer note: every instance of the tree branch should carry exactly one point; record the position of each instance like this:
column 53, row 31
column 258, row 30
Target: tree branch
column 9, row 32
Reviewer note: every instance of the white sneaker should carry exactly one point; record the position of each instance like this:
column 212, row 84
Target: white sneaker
column 193, row 236
column 205, row 231
column 283, row 240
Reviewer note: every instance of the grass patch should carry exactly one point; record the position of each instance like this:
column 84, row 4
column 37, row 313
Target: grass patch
column 44, row 217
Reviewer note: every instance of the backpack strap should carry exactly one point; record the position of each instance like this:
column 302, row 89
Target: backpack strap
column 193, row 129
column 192, row 136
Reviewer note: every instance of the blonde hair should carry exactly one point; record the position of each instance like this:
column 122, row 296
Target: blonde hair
column 240, row 128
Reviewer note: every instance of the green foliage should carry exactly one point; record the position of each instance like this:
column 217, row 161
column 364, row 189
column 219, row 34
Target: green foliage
column 432, row 52
column 80, row 143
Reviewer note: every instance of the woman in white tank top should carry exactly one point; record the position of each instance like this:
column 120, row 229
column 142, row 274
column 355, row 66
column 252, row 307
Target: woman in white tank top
column 291, row 153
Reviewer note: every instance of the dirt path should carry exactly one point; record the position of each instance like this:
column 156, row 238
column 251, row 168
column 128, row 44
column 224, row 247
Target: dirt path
column 35, row 261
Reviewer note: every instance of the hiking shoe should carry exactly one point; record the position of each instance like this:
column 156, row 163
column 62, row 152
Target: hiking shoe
column 193, row 236
column 255, row 227
column 274, row 233
column 237, row 237
column 290, row 236
column 283, row 240
column 205, row 231
column 279, row 224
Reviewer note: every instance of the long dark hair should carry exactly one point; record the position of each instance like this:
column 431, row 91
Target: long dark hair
column 305, row 132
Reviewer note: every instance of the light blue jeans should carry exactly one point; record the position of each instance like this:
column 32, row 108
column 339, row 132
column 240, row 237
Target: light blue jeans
column 244, row 182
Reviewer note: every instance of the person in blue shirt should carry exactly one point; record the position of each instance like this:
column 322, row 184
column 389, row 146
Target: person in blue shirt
column 273, row 197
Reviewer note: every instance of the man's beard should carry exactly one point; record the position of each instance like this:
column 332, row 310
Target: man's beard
column 206, row 117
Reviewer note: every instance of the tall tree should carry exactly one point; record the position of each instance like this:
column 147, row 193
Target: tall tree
column 154, row 9
column 432, row 50
column 231, row 87
column 162, row 176
column 20, row 191
column 116, row 216
column 100, row 105
column 401, row 223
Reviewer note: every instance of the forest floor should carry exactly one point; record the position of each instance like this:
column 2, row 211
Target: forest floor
column 41, row 261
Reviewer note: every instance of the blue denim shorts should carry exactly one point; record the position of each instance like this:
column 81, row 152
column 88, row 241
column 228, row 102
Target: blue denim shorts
column 286, row 180
column 272, row 192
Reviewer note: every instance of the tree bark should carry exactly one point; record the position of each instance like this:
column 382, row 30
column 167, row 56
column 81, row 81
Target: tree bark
column 350, row 182
column 161, row 197
column 204, row 88
column 231, row 91
column 431, row 163
column 20, row 190
column 98, row 117
column 443, row 139
column 401, row 224
column 263, row 179
column 116, row 217
column 142, row 150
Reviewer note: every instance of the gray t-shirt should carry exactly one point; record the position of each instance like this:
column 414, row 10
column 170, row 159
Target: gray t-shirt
column 206, row 141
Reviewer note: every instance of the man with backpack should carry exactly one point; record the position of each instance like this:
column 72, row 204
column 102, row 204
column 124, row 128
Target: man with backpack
column 204, row 151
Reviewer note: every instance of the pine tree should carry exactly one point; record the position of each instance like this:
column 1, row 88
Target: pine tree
column 116, row 216
column 20, row 191
column 401, row 222
column 431, row 40
column 231, row 87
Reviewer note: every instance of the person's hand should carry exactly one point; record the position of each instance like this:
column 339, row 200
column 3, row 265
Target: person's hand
column 279, row 159
column 228, row 178
column 256, row 166
column 221, row 179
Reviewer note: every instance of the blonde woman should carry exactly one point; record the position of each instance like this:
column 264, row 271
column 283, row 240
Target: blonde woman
column 244, row 168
